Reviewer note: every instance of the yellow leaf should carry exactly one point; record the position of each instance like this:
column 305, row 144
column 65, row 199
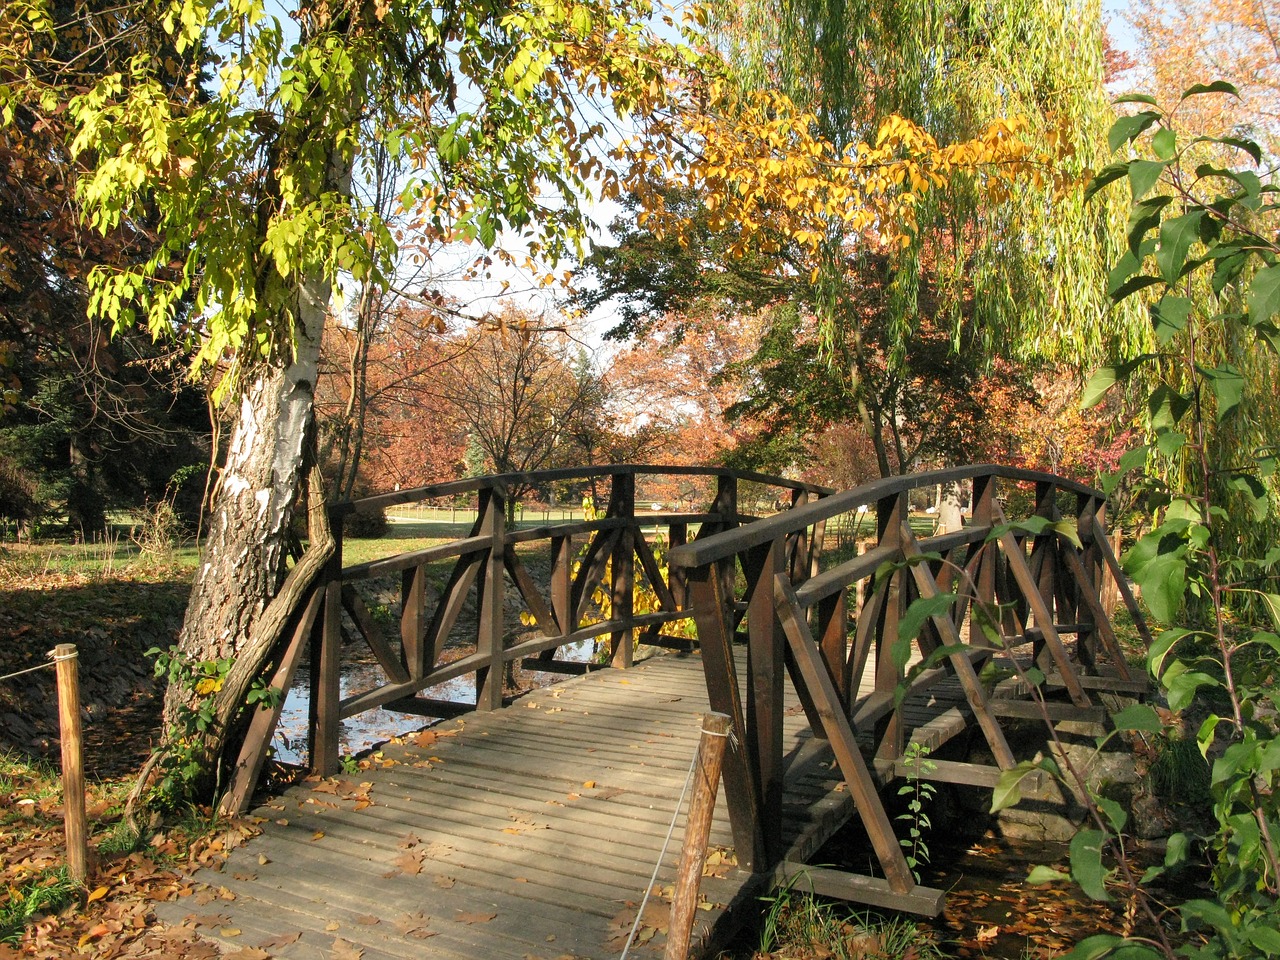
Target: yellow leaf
column 97, row 894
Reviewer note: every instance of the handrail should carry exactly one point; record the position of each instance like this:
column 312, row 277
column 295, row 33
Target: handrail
column 730, row 543
column 504, row 480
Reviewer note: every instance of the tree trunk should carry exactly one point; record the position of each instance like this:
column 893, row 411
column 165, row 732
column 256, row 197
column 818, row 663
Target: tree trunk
column 242, row 564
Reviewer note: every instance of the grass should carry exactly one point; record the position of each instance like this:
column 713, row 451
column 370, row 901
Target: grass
column 1180, row 774
column 800, row 925
column 47, row 892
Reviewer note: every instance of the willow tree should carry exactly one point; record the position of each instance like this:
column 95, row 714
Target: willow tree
column 933, row 152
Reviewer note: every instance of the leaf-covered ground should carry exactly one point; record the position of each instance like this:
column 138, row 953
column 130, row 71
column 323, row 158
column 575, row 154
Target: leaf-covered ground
column 113, row 619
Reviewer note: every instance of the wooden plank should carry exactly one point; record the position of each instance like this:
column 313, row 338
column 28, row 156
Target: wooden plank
column 861, row 786
column 953, row 771
column 467, row 546
column 354, row 604
column 1044, row 619
column 413, row 619
column 960, row 661
column 257, row 741
column 764, row 703
column 1029, row 710
column 1136, row 686
column 710, row 609
column 529, row 591
column 1089, row 597
column 855, row 888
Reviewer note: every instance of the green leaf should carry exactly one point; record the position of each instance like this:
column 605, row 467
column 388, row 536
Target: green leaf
column 1136, row 98
column 1138, row 716
column 1008, row 790
column 1157, row 563
column 1143, row 175
column 1272, row 603
column 1181, row 689
column 1086, row 864
column 913, row 620
column 1176, row 237
column 1114, row 812
column 1108, row 174
column 1041, row 874
column 1264, row 938
column 1107, row 377
column 1093, row 948
column 1133, row 285
column 1169, row 316
column 1217, row 86
column 1264, row 294
column 1129, row 460
column 1241, row 143
column 1127, row 127
column 1165, row 143
column 1166, row 407
column 1255, row 494
column 1169, row 442
column 1227, row 384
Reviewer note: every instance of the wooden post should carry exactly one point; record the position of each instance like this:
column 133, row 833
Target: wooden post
column 325, row 720
column 66, row 665
column 622, row 504
column 490, row 629
column 706, row 781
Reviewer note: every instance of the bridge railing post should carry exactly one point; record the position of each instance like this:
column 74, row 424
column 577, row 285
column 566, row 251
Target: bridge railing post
column 325, row 718
column 562, row 583
column 983, row 514
column 766, row 642
column 622, row 505
column 726, row 506
column 491, row 629
column 891, row 514
column 1044, row 563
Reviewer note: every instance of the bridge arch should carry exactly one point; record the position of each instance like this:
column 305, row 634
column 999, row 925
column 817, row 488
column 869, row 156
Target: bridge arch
column 770, row 602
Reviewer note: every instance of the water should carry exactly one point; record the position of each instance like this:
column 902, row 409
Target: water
column 366, row 730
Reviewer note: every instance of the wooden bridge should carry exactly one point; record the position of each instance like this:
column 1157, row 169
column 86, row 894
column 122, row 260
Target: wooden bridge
column 533, row 831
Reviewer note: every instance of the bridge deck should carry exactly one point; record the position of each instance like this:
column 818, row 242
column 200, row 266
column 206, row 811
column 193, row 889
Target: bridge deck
column 529, row 832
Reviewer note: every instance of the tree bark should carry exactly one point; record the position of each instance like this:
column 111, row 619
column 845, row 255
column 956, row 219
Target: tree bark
column 243, row 561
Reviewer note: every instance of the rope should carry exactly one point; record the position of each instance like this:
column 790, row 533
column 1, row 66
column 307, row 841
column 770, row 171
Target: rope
column 644, row 901
column 54, row 660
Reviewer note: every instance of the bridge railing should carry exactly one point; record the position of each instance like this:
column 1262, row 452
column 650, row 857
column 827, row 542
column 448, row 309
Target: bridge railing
column 835, row 627
column 609, row 556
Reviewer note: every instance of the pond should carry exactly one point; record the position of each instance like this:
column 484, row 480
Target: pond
column 361, row 732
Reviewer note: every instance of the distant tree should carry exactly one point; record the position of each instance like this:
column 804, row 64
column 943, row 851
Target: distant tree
column 523, row 396
column 382, row 421
column 1184, row 42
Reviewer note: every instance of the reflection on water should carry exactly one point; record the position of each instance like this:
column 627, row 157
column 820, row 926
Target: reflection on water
column 375, row 726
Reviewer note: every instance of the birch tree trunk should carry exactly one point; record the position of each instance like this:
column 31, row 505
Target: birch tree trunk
column 243, row 561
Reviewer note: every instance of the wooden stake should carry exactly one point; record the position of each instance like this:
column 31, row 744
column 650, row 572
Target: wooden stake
column 706, row 782
column 66, row 661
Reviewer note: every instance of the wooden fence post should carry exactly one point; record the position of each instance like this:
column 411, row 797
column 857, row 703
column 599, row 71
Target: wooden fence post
column 706, row 781
column 66, row 660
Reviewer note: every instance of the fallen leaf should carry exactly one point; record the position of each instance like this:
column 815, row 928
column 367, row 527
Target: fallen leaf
column 342, row 950
column 588, row 785
column 283, row 940
column 986, row 934
column 318, row 835
column 249, row 953
column 465, row 917
column 97, row 894
column 229, row 932
column 368, row 920
column 332, row 925
column 444, row 882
